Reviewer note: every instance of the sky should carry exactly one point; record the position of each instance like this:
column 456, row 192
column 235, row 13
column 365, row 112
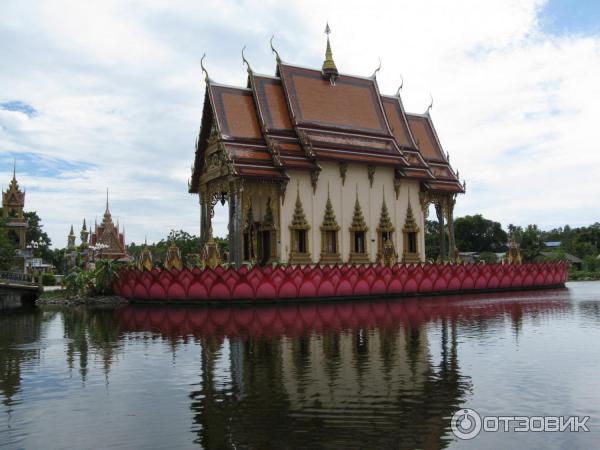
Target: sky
column 109, row 94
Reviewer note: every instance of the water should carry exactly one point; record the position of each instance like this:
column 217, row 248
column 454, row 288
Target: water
column 364, row 375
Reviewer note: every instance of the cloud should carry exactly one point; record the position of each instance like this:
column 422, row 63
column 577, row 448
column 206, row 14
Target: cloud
column 110, row 94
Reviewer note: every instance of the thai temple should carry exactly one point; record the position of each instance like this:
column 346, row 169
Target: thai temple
column 13, row 202
column 106, row 240
column 318, row 166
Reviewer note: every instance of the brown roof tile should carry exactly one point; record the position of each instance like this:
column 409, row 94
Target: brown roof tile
column 352, row 104
column 235, row 112
column 271, row 102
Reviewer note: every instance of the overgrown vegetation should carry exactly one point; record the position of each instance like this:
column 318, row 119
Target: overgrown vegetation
column 84, row 283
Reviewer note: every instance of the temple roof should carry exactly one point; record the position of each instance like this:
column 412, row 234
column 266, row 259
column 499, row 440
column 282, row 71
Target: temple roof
column 430, row 147
column 302, row 116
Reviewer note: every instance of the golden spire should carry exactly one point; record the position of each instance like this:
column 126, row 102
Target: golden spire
column 299, row 219
column 358, row 220
column 385, row 223
column 329, row 69
column 329, row 221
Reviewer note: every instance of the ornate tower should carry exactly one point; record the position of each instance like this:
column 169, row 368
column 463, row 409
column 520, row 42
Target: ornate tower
column 13, row 202
column 71, row 240
column 84, row 235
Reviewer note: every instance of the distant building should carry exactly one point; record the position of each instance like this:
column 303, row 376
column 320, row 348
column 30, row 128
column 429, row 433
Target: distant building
column 575, row 261
column 109, row 234
column 106, row 241
column 552, row 244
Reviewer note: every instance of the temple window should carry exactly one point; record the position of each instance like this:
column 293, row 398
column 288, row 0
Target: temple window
column 329, row 235
column 410, row 232
column 300, row 241
column 358, row 236
column 267, row 235
column 299, row 253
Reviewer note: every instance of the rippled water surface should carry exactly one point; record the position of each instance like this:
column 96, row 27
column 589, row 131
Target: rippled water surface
column 364, row 375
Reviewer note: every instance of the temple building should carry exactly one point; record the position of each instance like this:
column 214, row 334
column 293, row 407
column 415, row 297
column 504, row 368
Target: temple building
column 318, row 166
column 13, row 202
column 106, row 241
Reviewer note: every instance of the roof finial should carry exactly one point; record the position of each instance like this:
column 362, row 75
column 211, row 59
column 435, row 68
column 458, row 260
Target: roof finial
column 14, row 168
column 401, row 86
column 245, row 61
column 430, row 104
column 273, row 49
column 377, row 70
column 107, row 210
column 204, row 68
column 329, row 69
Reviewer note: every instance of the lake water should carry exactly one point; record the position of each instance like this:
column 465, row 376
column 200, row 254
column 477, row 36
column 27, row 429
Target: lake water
column 361, row 375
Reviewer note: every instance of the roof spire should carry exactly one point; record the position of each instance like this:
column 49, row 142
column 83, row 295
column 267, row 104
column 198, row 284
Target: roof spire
column 107, row 211
column 430, row 104
column 329, row 69
column 245, row 61
column 377, row 70
column 14, row 168
column 206, row 77
column 273, row 49
column 401, row 86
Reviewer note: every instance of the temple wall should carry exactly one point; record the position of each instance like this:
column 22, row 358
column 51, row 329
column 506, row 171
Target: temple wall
column 343, row 197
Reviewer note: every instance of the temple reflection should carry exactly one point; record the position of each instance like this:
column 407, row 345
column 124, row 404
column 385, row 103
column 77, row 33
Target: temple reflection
column 379, row 374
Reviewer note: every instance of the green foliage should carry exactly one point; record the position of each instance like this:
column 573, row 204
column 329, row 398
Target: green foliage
column 7, row 248
column 35, row 233
column 477, row 234
column 79, row 283
column 586, row 275
column 48, row 279
column 550, row 256
column 106, row 273
column 432, row 239
column 531, row 240
column 488, row 257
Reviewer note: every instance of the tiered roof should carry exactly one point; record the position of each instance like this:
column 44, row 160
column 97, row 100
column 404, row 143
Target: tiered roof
column 302, row 116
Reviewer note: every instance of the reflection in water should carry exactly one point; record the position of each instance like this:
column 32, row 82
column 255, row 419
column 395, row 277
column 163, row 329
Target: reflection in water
column 336, row 375
column 372, row 374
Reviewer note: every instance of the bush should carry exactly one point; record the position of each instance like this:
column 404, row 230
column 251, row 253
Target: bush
column 48, row 279
column 488, row 257
column 575, row 275
column 106, row 273
column 78, row 283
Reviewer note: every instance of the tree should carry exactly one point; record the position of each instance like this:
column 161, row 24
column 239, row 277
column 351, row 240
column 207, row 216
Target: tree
column 7, row 248
column 532, row 243
column 477, row 234
column 35, row 233
column 432, row 239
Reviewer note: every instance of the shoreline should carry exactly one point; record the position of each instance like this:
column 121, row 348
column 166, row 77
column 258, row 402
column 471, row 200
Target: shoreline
column 57, row 299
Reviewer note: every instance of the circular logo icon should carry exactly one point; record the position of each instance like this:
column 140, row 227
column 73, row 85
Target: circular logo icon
column 466, row 424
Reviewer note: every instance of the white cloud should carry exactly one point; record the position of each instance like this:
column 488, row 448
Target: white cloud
column 118, row 90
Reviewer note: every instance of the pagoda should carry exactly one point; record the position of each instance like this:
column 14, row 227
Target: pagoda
column 109, row 235
column 13, row 202
column 314, row 129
